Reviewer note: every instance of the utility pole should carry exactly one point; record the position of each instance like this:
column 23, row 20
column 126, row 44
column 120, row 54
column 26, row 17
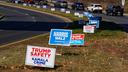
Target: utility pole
column 123, row 2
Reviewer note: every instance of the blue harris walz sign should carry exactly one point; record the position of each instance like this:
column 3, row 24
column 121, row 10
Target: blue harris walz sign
column 60, row 37
column 96, row 22
column 88, row 15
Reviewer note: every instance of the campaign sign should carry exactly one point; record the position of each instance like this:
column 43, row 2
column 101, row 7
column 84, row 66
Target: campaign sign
column 40, row 56
column 52, row 9
column 68, row 12
column 60, row 37
column 88, row 29
column 96, row 22
column 81, row 21
column 77, row 39
column 87, row 14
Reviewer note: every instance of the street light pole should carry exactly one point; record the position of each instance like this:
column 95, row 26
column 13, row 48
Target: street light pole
column 123, row 2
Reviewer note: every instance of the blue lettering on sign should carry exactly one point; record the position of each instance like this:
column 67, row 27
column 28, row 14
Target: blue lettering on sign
column 39, row 61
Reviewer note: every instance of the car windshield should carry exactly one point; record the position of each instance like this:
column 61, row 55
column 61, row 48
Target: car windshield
column 79, row 4
column 98, row 6
column 118, row 7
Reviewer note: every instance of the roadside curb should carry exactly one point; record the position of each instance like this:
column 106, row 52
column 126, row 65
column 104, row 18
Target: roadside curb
column 23, row 40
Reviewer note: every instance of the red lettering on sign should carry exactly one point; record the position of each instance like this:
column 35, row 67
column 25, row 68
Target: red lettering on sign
column 41, row 52
column 88, row 27
column 77, row 36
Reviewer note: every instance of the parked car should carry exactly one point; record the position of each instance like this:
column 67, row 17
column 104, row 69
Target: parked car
column 13, row 1
column 61, row 4
column 78, row 6
column 44, row 2
column 95, row 8
column 114, row 10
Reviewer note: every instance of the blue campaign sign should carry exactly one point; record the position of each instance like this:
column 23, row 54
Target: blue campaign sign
column 96, row 18
column 96, row 22
column 60, row 37
column 87, row 14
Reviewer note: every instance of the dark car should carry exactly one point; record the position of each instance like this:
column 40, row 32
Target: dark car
column 61, row 4
column 78, row 6
column 44, row 2
column 114, row 10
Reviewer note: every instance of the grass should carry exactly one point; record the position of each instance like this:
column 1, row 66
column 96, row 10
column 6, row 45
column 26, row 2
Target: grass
column 105, row 51
column 102, row 53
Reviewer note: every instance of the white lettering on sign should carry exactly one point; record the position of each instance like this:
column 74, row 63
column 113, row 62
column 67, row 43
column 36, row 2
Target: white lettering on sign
column 61, row 34
column 60, row 38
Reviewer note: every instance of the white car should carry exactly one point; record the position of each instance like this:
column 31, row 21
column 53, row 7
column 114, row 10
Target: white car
column 95, row 8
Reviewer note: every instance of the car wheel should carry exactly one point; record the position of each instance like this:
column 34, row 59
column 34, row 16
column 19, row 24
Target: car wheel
column 107, row 13
column 101, row 11
column 121, row 14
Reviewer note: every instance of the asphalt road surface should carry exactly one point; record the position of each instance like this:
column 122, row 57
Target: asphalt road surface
column 19, row 24
column 121, row 21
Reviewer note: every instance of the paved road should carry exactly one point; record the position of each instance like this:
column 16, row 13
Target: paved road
column 121, row 21
column 19, row 24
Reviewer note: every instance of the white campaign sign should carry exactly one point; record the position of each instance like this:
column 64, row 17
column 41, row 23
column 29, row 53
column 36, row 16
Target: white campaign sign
column 62, row 10
column 88, row 29
column 68, row 12
column 34, row 5
column 16, row 2
column 40, row 56
column 44, row 6
column 52, row 9
column 30, row 5
column 24, row 4
column 76, row 14
column 38, row 6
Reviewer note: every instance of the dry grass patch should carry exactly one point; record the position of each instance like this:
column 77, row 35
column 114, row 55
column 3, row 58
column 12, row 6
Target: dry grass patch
column 103, row 53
